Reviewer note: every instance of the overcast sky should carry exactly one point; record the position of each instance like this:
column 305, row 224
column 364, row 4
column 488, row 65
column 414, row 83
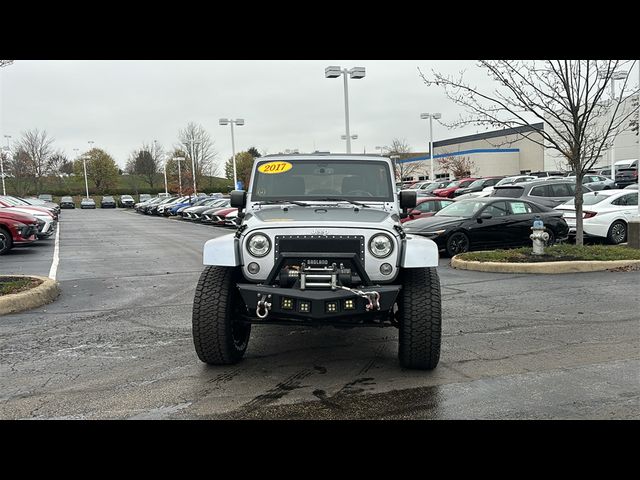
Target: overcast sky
column 285, row 104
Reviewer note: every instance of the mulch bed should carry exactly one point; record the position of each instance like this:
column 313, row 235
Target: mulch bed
column 9, row 285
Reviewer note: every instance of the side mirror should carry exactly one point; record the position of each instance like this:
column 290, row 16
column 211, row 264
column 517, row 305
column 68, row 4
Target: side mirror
column 484, row 216
column 408, row 199
column 238, row 199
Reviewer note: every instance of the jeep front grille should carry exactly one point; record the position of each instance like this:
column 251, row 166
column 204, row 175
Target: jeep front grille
column 320, row 244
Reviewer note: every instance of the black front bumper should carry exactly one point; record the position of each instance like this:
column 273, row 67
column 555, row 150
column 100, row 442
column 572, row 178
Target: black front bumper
column 326, row 306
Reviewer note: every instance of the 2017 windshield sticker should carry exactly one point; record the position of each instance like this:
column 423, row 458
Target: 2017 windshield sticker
column 275, row 167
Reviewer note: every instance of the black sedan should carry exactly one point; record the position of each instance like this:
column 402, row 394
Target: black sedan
column 107, row 202
column 67, row 202
column 487, row 223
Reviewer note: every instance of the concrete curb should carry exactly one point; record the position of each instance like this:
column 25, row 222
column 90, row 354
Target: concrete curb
column 44, row 293
column 542, row 267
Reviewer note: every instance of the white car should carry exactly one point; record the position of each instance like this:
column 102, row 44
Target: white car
column 474, row 195
column 605, row 214
column 512, row 180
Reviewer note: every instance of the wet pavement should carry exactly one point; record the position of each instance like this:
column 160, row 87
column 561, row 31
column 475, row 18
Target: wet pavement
column 117, row 343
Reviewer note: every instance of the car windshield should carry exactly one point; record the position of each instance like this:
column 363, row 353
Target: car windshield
column 477, row 183
column 590, row 198
column 322, row 180
column 453, row 184
column 464, row 208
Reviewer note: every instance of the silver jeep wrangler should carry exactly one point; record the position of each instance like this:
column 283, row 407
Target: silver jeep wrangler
column 320, row 243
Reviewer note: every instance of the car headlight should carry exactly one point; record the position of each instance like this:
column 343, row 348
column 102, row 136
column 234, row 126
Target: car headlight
column 259, row 245
column 380, row 246
column 435, row 233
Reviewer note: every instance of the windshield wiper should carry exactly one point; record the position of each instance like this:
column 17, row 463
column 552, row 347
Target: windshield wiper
column 334, row 199
column 276, row 202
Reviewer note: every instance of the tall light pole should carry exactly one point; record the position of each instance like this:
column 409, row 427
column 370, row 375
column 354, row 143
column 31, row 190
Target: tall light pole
column 431, row 116
column 84, row 163
column 166, row 190
column 193, row 165
column 355, row 73
column 4, row 190
column 614, row 77
column 179, row 159
column 239, row 122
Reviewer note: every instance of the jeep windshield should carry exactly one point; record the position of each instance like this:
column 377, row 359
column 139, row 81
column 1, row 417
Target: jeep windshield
column 326, row 180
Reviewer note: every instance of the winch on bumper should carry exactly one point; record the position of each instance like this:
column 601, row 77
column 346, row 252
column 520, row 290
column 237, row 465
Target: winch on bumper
column 318, row 293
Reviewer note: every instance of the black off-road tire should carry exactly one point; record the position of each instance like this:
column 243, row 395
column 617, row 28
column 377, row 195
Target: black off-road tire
column 419, row 318
column 218, row 335
column 6, row 241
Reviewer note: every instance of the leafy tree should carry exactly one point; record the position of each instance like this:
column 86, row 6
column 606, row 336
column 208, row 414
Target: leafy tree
column 570, row 97
column 144, row 162
column 102, row 170
column 66, row 167
column 244, row 164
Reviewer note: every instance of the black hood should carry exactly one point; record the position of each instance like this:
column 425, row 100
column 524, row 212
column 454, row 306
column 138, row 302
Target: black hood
column 432, row 223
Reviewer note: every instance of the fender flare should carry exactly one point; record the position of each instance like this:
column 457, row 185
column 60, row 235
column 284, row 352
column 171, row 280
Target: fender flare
column 222, row 251
column 419, row 252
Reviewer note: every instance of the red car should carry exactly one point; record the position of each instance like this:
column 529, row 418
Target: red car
column 218, row 217
column 426, row 207
column 453, row 186
column 16, row 229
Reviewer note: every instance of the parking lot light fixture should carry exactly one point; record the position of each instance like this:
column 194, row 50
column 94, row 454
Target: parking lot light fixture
column 193, row 165
column 239, row 122
column 84, row 164
column 431, row 116
column 355, row 73
column 621, row 75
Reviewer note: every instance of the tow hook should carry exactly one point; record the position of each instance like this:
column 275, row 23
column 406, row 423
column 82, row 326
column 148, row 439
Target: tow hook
column 373, row 298
column 263, row 305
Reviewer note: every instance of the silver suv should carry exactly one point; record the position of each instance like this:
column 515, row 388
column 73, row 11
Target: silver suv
column 549, row 193
column 320, row 243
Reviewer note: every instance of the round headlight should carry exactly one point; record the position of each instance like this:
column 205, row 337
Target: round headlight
column 258, row 245
column 380, row 246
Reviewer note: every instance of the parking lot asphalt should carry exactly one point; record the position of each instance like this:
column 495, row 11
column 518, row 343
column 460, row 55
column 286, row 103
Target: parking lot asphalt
column 117, row 343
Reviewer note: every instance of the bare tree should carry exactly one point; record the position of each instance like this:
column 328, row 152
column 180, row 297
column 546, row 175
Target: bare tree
column 459, row 167
column 198, row 145
column 569, row 96
column 40, row 160
column 400, row 150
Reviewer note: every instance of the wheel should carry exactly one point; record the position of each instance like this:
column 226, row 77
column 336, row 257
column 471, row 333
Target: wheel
column 419, row 318
column 6, row 241
column 617, row 232
column 552, row 238
column 219, row 338
column 457, row 243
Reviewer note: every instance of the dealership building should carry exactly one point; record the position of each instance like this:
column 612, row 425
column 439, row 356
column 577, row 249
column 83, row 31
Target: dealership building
column 509, row 151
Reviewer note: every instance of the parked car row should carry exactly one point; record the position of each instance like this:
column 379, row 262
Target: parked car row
column 107, row 201
column 211, row 209
column 23, row 221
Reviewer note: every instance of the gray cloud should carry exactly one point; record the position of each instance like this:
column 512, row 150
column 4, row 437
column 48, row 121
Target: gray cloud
column 286, row 104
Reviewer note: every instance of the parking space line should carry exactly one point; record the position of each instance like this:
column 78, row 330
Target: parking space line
column 56, row 255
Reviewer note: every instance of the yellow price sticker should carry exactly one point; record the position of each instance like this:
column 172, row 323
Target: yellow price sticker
column 275, row 167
